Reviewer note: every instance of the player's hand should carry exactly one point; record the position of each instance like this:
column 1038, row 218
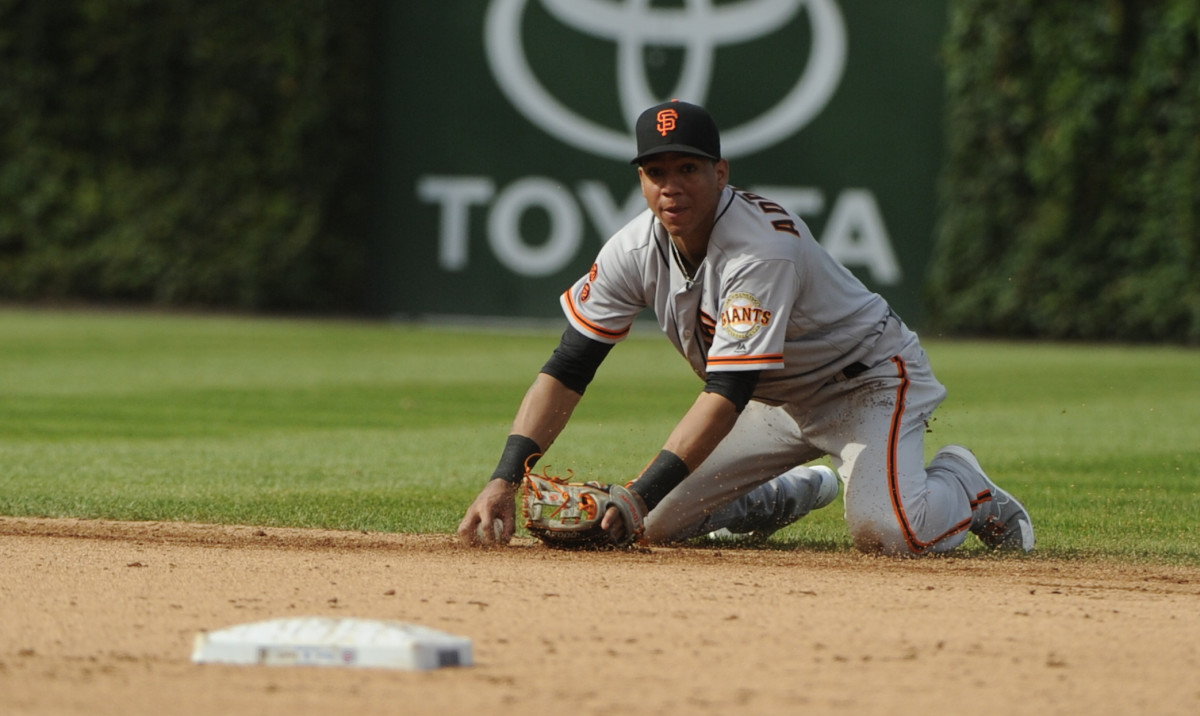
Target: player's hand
column 613, row 523
column 492, row 518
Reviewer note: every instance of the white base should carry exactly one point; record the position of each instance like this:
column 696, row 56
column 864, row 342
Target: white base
column 320, row 641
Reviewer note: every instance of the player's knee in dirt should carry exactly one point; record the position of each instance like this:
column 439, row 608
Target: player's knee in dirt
column 880, row 537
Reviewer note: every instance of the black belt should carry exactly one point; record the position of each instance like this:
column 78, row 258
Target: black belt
column 853, row 371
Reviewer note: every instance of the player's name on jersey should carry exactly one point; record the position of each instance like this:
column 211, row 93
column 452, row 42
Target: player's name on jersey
column 853, row 231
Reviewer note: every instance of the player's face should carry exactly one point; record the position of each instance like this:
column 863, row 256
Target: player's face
column 683, row 191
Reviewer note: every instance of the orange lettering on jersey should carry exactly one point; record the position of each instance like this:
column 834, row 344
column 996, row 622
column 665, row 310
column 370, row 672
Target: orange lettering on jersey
column 594, row 272
column 706, row 327
column 666, row 121
column 743, row 315
column 786, row 225
column 767, row 206
column 586, row 293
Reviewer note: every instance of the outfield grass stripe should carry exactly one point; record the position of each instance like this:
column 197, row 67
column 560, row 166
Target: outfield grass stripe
column 359, row 425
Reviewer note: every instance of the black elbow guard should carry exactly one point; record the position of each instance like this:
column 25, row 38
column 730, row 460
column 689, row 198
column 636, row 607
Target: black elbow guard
column 738, row 386
column 576, row 359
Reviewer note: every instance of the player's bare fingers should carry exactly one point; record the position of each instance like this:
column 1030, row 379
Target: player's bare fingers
column 496, row 522
column 492, row 532
column 468, row 529
column 502, row 531
column 613, row 523
column 482, row 532
column 491, row 518
column 506, row 527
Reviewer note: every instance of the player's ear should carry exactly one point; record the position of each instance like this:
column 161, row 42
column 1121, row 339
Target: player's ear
column 722, row 168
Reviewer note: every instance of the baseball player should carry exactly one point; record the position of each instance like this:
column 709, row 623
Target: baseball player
column 799, row 361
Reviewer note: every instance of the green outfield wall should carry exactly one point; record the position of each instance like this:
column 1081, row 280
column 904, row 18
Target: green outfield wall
column 506, row 134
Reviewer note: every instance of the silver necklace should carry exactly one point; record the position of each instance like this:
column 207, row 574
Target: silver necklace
column 688, row 276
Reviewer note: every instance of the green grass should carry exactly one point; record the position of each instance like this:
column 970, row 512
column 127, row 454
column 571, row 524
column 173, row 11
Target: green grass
column 394, row 427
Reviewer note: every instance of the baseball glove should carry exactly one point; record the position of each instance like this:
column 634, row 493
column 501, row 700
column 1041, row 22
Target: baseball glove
column 567, row 515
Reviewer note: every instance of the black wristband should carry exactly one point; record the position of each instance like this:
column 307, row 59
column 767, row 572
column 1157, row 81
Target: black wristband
column 520, row 453
column 660, row 477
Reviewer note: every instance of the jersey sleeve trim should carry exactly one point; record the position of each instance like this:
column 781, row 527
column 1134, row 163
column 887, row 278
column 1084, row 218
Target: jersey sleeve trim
column 586, row 326
column 764, row 361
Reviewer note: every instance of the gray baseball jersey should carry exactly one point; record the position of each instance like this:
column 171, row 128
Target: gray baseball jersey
column 766, row 297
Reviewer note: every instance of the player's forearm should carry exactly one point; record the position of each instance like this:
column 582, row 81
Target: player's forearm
column 702, row 428
column 545, row 410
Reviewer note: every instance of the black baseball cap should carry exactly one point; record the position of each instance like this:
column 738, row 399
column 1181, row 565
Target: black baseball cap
column 677, row 127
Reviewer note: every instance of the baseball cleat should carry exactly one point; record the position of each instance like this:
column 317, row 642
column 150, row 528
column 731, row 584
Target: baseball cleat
column 1009, row 528
column 828, row 491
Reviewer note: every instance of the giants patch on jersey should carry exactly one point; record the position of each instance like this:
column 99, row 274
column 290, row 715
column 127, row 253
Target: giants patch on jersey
column 743, row 315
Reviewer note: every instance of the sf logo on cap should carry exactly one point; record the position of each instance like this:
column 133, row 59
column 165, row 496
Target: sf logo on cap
column 666, row 121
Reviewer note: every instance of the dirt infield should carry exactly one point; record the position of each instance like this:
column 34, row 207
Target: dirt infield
column 99, row 618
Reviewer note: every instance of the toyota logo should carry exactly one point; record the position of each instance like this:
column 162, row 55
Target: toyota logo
column 698, row 29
